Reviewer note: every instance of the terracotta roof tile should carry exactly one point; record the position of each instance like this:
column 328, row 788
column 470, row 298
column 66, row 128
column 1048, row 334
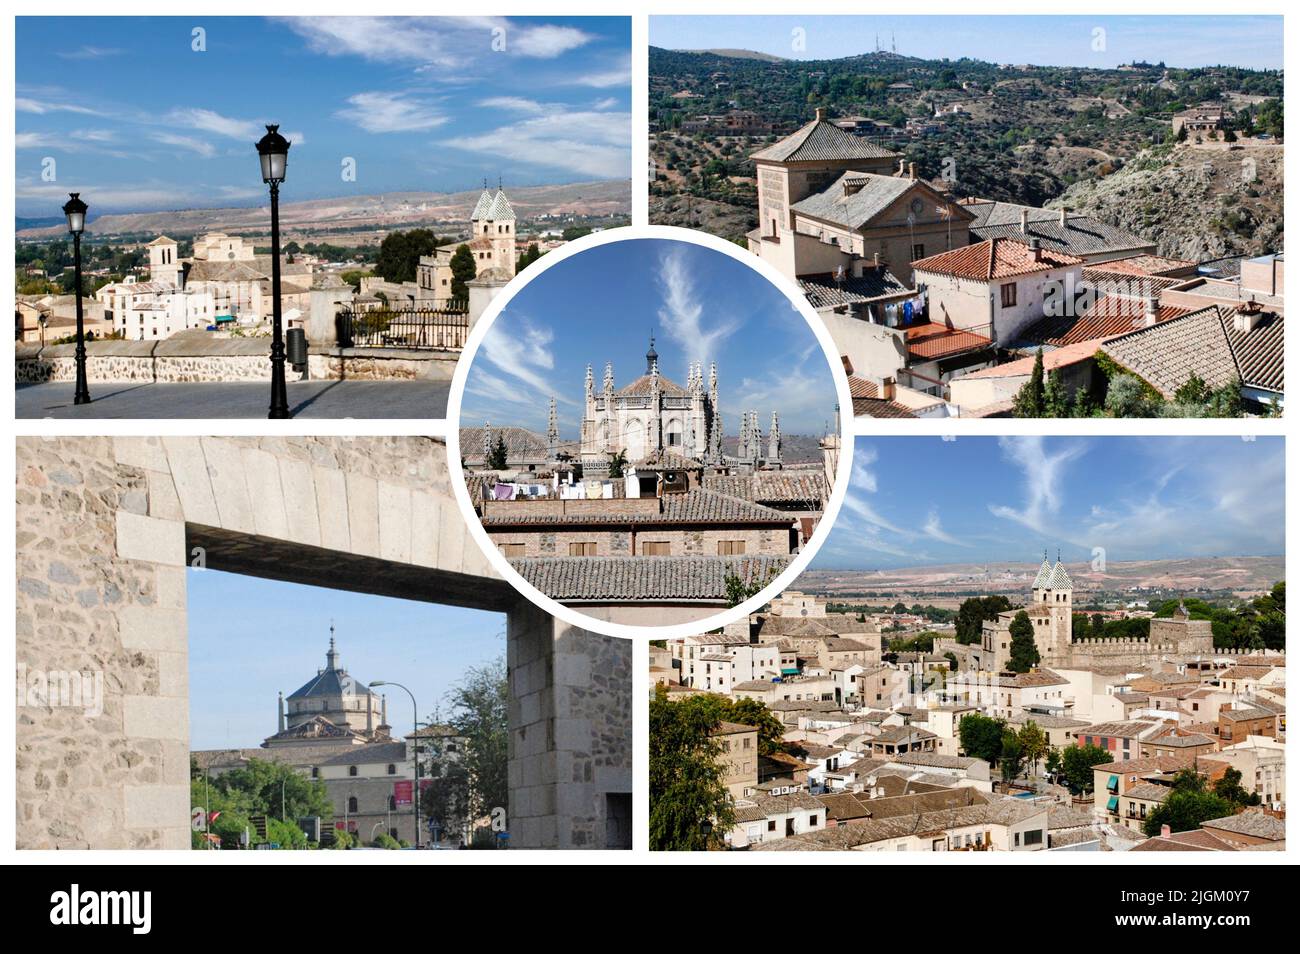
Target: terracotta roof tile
column 994, row 259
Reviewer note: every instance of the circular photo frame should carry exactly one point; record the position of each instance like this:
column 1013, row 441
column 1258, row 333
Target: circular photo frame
column 674, row 458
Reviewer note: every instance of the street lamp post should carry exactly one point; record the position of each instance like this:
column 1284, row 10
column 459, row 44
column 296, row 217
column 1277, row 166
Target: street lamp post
column 273, row 151
column 75, row 210
column 415, row 728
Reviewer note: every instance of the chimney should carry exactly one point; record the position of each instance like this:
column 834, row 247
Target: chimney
column 902, row 167
column 1024, row 221
column 1036, row 248
column 1165, row 831
column 1247, row 317
column 821, row 114
column 911, row 170
column 1063, row 218
column 886, row 387
column 875, row 260
column 1152, row 314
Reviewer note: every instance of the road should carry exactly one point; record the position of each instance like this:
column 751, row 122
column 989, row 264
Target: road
column 307, row 399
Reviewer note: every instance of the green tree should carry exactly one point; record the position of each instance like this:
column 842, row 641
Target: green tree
column 445, row 798
column 1185, row 809
column 1076, row 766
column 399, row 254
column 981, row 737
column 1028, row 401
column 690, row 807
column 617, row 463
column 1228, row 786
column 974, row 612
column 1024, row 652
column 463, row 269
column 479, row 715
column 1056, row 402
column 1033, row 745
column 497, row 458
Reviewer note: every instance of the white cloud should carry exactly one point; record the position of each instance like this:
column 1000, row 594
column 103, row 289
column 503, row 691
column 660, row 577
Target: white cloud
column 198, row 146
column 682, row 313
column 1043, row 474
column 380, row 112
column 514, row 104
column 435, row 43
column 617, row 75
column 587, row 143
column 90, row 53
column 934, row 529
column 206, row 120
column 25, row 104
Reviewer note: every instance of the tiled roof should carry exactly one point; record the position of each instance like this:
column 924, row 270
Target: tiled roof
column 1198, row 840
column 521, row 444
column 1154, row 265
column 930, row 341
column 1205, row 343
column 693, row 507
column 867, row 401
column 665, row 459
column 1149, row 792
column 1080, row 235
column 1255, row 824
column 855, row 198
column 1155, row 763
column 1108, row 317
column 821, row 140
column 823, row 291
column 644, row 579
column 994, row 259
column 772, row 486
column 642, row 386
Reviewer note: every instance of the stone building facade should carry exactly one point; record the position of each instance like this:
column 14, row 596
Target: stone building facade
column 106, row 529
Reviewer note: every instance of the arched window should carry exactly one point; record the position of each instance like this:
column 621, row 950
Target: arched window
column 352, row 770
column 392, row 769
column 352, row 803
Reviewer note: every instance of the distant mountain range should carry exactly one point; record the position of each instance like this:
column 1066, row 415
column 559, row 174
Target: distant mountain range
column 1244, row 574
column 354, row 214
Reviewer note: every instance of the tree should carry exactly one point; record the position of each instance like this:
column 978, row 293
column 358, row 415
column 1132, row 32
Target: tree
column 1056, row 402
column 1126, row 396
column 617, row 463
column 974, row 612
column 497, row 458
column 1076, row 765
column 690, row 807
column 399, row 254
column 479, row 714
column 1024, row 651
column 981, row 737
column 1011, row 756
column 1028, row 401
column 463, row 269
column 1185, row 809
column 445, row 798
column 1228, row 786
column 1033, row 745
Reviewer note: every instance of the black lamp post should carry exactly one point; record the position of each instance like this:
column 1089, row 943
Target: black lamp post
column 415, row 728
column 273, row 151
column 75, row 210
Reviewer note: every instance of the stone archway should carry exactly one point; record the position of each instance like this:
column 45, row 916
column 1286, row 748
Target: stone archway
column 106, row 528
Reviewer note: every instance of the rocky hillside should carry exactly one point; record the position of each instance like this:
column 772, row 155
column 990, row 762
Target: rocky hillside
column 1198, row 202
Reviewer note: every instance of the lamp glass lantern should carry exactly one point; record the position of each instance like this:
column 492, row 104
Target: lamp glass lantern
column 273, row 151
column 75, row 210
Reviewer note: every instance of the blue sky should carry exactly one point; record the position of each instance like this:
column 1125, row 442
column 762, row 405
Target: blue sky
column 602, row 304
column 915, row 501
column 1181, row 41
column 139, row 121
column 251, row 638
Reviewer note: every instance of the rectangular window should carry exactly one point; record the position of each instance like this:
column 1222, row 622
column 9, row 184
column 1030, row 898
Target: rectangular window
column 512, row 551
column 582, row 549
column 731, row 547
column 918, row 252
column 655, row 548
column 1009, row 295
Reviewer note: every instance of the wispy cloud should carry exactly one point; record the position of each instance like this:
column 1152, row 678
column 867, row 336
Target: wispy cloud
column 1042, row 473
column 446, row 43
column 90, row 53
column 682, row 314
column 189, row 143
column 390, row 112
column 588, row 142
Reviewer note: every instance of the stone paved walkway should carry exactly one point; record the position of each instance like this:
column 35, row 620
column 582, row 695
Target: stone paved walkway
column 307, row 399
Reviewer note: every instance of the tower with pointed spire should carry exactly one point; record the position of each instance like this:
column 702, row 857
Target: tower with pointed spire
column 553, row 430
